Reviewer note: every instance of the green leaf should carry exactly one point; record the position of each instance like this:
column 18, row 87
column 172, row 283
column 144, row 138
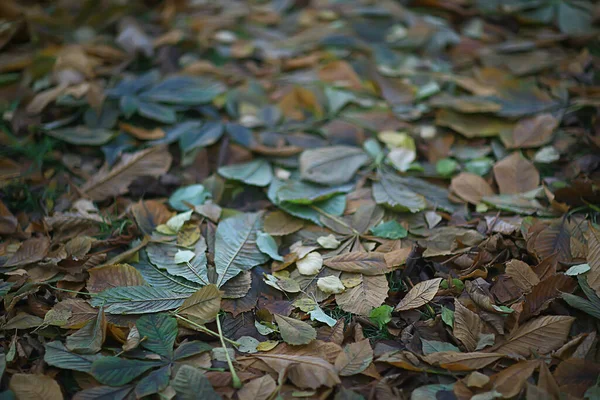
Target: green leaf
column 574, row 18
column 433, row 346
column 114, row 371
column 331, row 165
column 138, row 300
column 381, row 315
column 207, row 135
column 391, row 193
column 294, row 331
column 82, row 135
column 235, row 246
column 192, row 194
column 189, row 349
column 267, row 245
column 184, row 90
column 105, row 393
column 581, row 304
column 338, row 99
column 154, row 382
column 2, row 364
column 57, row 355
column 160, row 331
column 256, row 172
column 191, row 384
column 390, row 230
column 448, row 316
column 89, row 339
column 163, row 256
column 157, row 112
column 297, row 192
column 479, row 166
column 446, row 166
column 162, row 279
column 5, row 287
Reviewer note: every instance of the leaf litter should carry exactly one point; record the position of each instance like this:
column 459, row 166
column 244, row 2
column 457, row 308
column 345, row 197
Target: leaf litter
column 292, row 199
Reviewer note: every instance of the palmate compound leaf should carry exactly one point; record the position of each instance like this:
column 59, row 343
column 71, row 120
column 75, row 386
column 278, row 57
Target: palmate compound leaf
column 57, row 355
column 115, row 371
column 163, row 256
column 294, row 331
column 154, row 382
column 331, row 165
column 421, row 294
column 191, row 384
column 161, row 278
column 235, row 246
column 104, row 393
column 138, row 300
column 159, row 331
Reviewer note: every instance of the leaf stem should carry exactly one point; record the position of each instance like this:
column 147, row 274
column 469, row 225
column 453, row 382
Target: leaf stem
column 206, row 330
column 236, row 382
column 334, row 218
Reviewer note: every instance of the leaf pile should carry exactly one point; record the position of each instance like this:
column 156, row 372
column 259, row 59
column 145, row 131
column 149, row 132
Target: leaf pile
column 300, row 199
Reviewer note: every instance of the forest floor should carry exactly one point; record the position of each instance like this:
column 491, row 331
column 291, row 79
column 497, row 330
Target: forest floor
column 263, row 200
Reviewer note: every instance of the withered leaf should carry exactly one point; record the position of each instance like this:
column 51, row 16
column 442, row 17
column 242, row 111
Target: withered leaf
column 202, row 306
column 515, row 174
column 467, row 326
column 102, row 278
column 355, row 358
column 470, row 187
column 421, row 294
column 303, row 371
column 30, row 386
column 361, row 299
column 455, row 361
column 511, row 380
column 522, row 274
column 294, row 331
column 110, row 182
column 541, row 335
column 365, row 263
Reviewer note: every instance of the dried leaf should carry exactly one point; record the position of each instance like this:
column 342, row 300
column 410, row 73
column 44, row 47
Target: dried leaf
column 530, row 132
column 258, row 389
column 102, row 278
column 303, row 371
column 361, row 299
column 511, row 380
column 294, row 331
column 467, row 326
column 470, row 187
column 365, row 263
column 515, row 174
column 110, row 182
column 355, row 358
column 522, row 274
column 202, row 306
column 29, row 386
column 454, row 361
column 421, row 294
column 542, row 335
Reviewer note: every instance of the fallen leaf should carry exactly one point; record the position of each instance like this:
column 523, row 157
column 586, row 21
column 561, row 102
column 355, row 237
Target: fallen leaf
column 470, row 187
column 355, row 358
column 421, row 294
column 303, row 371
column 511, row 380
column 515, row 174
column 258, row 389
column 361, row 299
column 294, row 331
column 542, row 335
column 530, row 132
column 454, row 361
column 30, row 386
column 202, row 306
column 467, row 326
column 102, row 278
column 110, row 182
column 365, row 263
column 522, row 274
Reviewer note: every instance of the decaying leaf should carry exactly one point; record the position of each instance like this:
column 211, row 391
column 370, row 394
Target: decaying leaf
column 294, row 331
column 304, row 371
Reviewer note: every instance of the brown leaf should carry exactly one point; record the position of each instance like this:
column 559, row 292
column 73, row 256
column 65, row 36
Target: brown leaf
column 29, row 386
column 593, row 259
column 547, row 383
column 467, row 326
column 361, row 299
column 42, row 99
column 455, row 361
column 8, row 222
column 470, row 187
column 543, row 293
column 472, row 125
column 340, row 73
column 522, row 274
column 258, row 389
column 32, row 250
column 515, row 174
column 542, row 335
column 141, row 133
column 202, row 306
column 279, row 223
column 530, row 132
column 373, row 263
column 297, row 100
column 575, row 376
column 421, row 294
column 102, row 278
column 304, row 372
column 355, row 358
column 511, row 380
column 110, row 182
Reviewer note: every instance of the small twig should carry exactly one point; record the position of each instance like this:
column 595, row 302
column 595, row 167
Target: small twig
column 236, row 382
column 206, row 330
column 125, row 255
